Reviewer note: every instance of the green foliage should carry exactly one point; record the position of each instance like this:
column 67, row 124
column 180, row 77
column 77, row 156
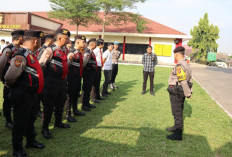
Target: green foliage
column 204, row 38
column 114, row 13
column 76, row 12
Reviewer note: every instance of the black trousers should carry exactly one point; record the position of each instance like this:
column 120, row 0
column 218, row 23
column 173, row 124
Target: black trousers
column 114, row 72
column 177, row 99
column 107, row 74
column 88, row 81
column 145, row 77
column 53, row 97
column 74, row 88
column 24, row 116
column 97, row 82
column 7, row 104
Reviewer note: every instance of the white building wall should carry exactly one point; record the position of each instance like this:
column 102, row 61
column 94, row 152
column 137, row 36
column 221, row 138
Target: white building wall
column 6, row 36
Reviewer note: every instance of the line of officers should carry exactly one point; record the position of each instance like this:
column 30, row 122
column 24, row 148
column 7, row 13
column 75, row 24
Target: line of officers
column 51, row 74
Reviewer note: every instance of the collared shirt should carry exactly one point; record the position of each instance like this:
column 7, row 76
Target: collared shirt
column 149, row 61
column 115, row 56
column 98, row 53
column 108, row 63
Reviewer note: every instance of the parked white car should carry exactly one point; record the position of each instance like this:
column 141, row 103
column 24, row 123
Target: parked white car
column 221, row 64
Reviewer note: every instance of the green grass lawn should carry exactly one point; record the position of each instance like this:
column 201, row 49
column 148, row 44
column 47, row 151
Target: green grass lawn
column 129, row 124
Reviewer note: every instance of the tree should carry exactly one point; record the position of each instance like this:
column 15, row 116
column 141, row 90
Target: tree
column 204, row 38
column 114, row 14
column 76, row 12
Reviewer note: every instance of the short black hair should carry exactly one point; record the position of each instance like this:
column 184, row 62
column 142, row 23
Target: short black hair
column 109, row 44
column 3, row 40
column 16, row 37
column 149, row 46
column 179, row 49
column 100, row 42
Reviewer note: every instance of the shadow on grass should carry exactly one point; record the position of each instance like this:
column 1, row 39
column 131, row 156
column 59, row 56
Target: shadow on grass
column 157, row 87
column 65, row 139
column 187, row 110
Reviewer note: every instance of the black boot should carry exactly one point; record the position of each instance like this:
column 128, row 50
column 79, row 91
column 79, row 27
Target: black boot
column 171, row 129
column 9, row 125
column 46, row 133
column 71, row 119
column 19, row 153
column 78, row 113
column 35, row 144
column 86, row 108
column 177, row 135
column 62, row 125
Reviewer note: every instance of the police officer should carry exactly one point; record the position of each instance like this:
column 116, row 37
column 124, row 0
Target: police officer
column 180, row 85
column 25, row 78
column 74, row 78
column 48, row 42
column 89, row 72
column 54, row 61
column 7, row 54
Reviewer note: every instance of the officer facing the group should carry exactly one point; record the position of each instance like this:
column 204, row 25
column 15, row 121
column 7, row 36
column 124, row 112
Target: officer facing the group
column 54, row 61
column 7, row 54
column 89, row 73
column 180, row 85
column 74, row 78
column 25, row 78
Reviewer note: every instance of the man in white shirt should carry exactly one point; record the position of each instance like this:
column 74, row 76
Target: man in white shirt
column 107, row 68
column 2, row 46
column 95, row 93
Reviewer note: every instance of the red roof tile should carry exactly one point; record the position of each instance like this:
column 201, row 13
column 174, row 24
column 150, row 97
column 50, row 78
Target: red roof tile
column 152, row 27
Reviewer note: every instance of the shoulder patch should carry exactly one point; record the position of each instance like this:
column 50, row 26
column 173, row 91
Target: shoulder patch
column 18, row 61
column 181, row 75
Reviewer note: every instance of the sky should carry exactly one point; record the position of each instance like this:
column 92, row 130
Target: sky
column 181, row 15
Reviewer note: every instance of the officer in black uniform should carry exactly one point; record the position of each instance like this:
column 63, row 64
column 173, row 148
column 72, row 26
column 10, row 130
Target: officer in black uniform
column 48, row 40
column 74, row 78
column 89, row 72
column 54, row 62
column 7, row 54
column 25, row 78
column 180, row 87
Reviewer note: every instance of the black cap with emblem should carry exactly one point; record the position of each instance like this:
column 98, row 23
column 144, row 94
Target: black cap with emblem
column 18, row 32
column 32, row 33
column 80, row 37
column 63, row 31
column 179, row 49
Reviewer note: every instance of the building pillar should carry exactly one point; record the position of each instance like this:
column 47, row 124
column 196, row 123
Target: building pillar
column 124, row 48
column 150, row 41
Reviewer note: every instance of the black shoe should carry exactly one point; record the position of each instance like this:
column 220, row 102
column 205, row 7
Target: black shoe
column 104, row 95
column 0, row 113
column 100, row 98
column 95, row 101
column 35, row 144
column 108, row 93
column 86, row 108
column 19, row 153
column 143, row 92
column 62, row 125
column 46, row 133
column 9, row 125
column 171, row 129
column 177, row 135
column 91, row 106
column 152, row 93
column 71, row 119
column 78, row 113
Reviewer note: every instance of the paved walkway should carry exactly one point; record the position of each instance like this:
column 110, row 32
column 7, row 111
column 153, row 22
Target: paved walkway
column 217, row 82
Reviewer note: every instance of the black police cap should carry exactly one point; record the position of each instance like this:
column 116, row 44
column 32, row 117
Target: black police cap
column 50, row 36
column 92, row 39
column 179, row 49
column 109, row 44
column 63, row 31
column 32, row 33
column 18, row 32
column 80, row 37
